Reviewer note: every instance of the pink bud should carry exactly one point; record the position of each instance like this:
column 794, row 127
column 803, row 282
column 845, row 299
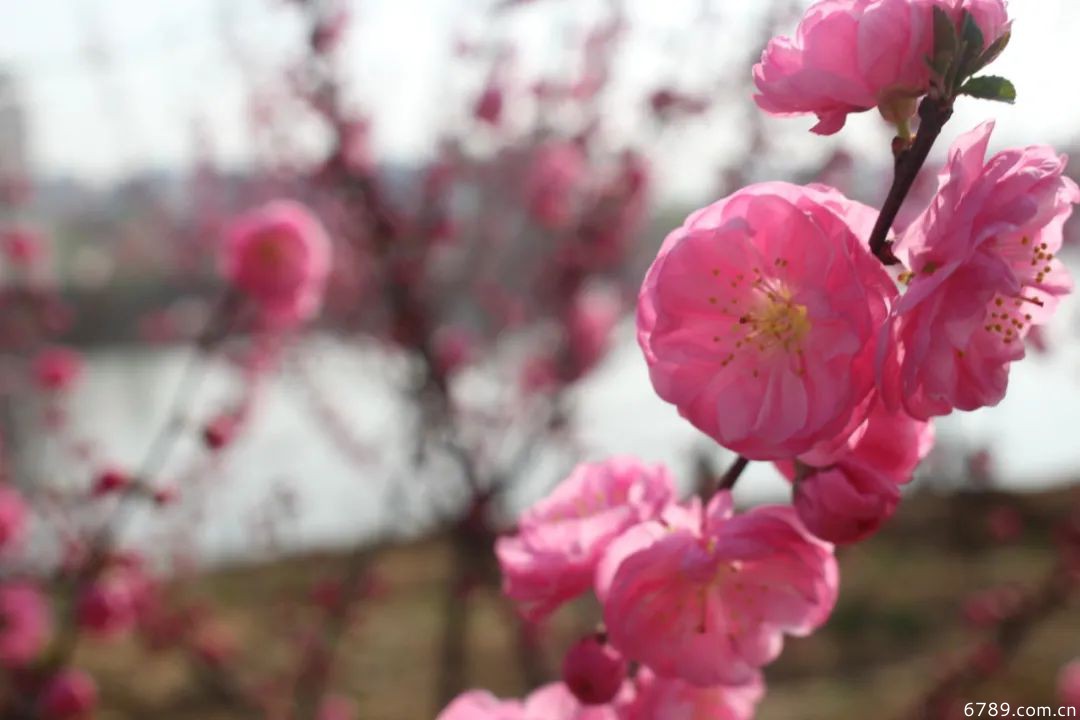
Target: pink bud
column 845, row 503
column 110, row 481
column 593, row 670
column 489, row 106
column 219, row 431
column 56, row 369
column 70, row 694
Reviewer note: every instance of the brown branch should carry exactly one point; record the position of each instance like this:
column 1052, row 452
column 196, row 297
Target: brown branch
column 1006, row 640
column 933, row 114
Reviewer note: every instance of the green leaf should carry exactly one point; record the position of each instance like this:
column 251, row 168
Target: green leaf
column 946, row 41
column 990, row 87
column 971, row 35
column 992, row 53
column 972, row 44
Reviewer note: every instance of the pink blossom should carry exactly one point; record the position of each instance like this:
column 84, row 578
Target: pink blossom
column 482, row 705
column 71, row 694
column 539, row 374
column 22, row 246
column 109, row 481
column 591, row 320
column 279, row 256
column 107, row 606
column 220, row 430
column 983, row 271
column 845, row 503
column 1069, row 685
column 551, row 702
column 355, row 147
column 556, row 702
column 658, row 698
column 856, row 490
column 758, row 318
column 853, row 55
column 708, row 597
column 593, row 670
column 57, row 368
column 12, row 516
column 455, row 348
column 561, row 539
column 25, row 623
column 557, row 171
column 489, row 106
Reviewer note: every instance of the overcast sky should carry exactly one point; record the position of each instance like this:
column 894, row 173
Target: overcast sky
column 166, row 65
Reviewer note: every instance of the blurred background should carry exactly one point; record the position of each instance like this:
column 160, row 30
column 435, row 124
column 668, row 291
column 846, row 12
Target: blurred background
column 495, row 176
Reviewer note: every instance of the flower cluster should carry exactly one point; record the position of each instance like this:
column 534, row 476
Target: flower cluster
column 774, row 321
column 698, row 597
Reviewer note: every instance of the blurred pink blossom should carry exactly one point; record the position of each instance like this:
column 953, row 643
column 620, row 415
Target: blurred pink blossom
column 25, row 623
column 279, row 256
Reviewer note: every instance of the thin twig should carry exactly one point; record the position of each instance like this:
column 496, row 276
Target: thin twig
column 731, row 476
column 933, row 114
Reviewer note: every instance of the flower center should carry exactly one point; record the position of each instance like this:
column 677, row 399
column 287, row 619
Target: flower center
column 779, row 321
column 765, row 312
column 270, row 250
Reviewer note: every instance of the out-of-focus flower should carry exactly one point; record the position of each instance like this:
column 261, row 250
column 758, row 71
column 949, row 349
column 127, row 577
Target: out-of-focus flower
column 279, row 256
column 12, row 517
column 592, row 318
column 554, row 178
column 109, row 481
column 454, row 348
column 107, row 606
column 489, row 106
column 70, row 695
column 758, row 319
column 57, row 368
column 561, row 539
column 22, row 246
column 25, row 623
column 982, row 271
column 220, row 430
